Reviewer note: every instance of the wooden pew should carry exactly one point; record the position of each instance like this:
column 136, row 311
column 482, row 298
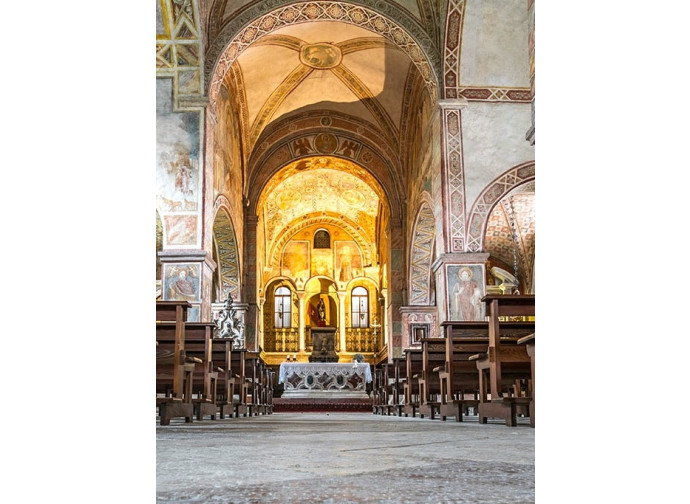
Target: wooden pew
column 198, row 336
column 221, row 355
column 459, row 375
column 505, row 360
column 413, row 370
column 396, row 384
column 433, row 356
column 378, row 389
column 530, row 342
column 174, row 370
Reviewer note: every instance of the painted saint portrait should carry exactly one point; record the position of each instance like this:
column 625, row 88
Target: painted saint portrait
column 348, row 261
column 465, row 291
column 182, row 283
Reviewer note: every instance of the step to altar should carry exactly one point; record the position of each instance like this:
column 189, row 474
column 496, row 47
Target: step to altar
column 296, row 405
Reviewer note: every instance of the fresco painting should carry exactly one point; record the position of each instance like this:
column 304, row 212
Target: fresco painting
column 465, row 291
column 177, row 154
column 296, row 260
column 181, row 229
column 321, row 262
column 348, row 261
column 182, row 282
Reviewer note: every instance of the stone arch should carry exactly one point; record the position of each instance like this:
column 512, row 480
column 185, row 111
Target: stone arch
column 296, row 139
column 252, row 24
column 488, row 198
column 225, row 245
column 421, row 256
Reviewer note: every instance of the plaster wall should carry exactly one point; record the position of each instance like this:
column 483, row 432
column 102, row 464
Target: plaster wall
column 495, row 41
column 493, row 137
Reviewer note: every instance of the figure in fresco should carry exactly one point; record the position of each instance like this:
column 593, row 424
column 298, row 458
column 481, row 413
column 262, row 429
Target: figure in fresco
column 182, row 169
column 467, row 297
column 346, row 264
column 181, row 288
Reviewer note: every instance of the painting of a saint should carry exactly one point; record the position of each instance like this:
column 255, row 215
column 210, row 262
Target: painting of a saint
column 348, row 261
column 466, row 287
column 182, row 283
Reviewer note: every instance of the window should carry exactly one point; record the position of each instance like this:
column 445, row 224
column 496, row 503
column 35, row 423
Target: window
column 322, row 239
column 283, row 299
column 360, row 307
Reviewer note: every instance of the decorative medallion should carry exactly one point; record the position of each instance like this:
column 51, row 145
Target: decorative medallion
column 320, row 56
column 326, row 143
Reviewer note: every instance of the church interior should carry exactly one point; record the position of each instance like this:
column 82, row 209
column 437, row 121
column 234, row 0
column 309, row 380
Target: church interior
column 345, row 210
column 358, row 154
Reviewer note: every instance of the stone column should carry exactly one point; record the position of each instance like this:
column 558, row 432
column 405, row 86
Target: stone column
column 187, row 275
column 395, row 297
column 251, row 286
column 452, row 175
column 301, row 313
column 342, row 319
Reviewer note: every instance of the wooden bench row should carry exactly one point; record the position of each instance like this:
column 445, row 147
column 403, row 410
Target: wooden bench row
column 486, row 366
column 198, row 375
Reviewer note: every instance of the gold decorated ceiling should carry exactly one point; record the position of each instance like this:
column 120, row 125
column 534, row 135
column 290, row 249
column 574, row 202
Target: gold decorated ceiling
column 320, row 186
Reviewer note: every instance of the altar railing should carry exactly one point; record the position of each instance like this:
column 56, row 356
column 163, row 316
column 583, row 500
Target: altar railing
column 361, row 339
column 281, row 340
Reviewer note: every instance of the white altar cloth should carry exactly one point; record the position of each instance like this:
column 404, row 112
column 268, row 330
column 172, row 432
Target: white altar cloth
column 335, row 380
column 329, row 368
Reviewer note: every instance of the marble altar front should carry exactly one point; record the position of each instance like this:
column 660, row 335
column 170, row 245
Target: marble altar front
column 324, row 379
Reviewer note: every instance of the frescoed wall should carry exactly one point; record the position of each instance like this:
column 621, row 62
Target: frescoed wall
column 177, row 167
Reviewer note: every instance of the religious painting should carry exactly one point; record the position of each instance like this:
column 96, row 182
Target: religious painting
column 465, row 291
column 180, row 229
column 182, row 282
column 321, row 262
column 296, row 261
column 348, row 261
column 177, row 153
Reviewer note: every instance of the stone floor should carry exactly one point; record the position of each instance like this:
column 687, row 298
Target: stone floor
column 344, row 458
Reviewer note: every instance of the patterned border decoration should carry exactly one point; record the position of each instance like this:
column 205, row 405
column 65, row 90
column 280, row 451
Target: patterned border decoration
column 455, row 178
column 421, row 256
column 521, row 95
column 451, row 51
column 228, row 258
column 216, row 68
column 489, row 197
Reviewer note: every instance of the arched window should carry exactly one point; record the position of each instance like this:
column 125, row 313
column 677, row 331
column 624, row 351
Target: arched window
column 283, row 312
column 360, row 307
column 322, row 239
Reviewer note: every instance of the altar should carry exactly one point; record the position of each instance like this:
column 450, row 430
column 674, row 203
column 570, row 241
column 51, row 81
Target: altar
column 324, row 379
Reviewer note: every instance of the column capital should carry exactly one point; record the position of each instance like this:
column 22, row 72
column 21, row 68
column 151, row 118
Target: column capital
column 453, row 103
column 460, row 258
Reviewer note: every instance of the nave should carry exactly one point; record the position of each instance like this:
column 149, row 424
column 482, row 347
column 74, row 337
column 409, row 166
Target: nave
column 343, row 458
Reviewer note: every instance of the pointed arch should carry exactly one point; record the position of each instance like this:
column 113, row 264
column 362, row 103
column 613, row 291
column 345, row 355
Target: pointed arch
column 421, row 256
column 488, row 198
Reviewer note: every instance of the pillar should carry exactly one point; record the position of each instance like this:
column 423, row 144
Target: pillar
column 342, row 320
column 187, row 275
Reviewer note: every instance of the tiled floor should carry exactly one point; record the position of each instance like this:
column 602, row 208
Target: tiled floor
column 344, row 458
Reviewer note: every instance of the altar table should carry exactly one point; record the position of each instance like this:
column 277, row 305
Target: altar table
column 324, row 379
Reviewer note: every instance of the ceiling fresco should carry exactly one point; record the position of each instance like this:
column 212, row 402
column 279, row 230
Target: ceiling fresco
column 321, row 186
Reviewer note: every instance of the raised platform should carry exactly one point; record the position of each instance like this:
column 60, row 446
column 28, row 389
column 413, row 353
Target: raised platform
column 299, row 405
